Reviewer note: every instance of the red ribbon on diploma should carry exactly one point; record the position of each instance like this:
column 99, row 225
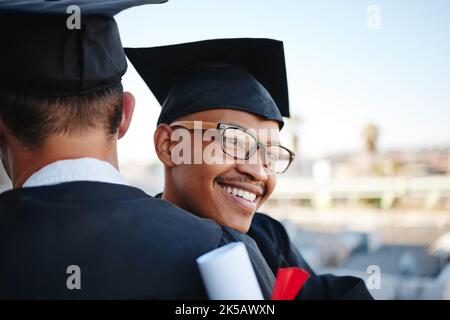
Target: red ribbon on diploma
column 288, row 283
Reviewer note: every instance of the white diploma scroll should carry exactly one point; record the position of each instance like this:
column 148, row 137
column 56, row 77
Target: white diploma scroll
column 228, row 273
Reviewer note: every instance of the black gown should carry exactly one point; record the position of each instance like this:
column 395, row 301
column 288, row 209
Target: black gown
column 127, row 244
column 276, row 247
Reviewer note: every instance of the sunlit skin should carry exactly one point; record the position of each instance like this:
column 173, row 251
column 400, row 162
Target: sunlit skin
column 20, row 163
column 198, row 188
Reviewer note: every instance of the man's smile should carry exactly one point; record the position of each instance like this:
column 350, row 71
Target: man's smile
column 250, row 196
column 244, row 194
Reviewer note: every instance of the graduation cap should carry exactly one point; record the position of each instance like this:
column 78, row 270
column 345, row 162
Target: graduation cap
column 43, row 54
column 245, row 74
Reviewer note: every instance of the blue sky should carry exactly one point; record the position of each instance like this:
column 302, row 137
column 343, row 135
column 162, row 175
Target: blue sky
column 341, row 74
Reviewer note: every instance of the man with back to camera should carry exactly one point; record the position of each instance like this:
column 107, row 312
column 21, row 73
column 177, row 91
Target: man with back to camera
column 62, row 110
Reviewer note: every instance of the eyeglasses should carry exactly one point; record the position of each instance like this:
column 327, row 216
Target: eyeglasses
column 242, row 144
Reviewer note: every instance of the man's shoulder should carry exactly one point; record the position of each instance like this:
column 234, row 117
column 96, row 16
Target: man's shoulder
column 88, row 192
column 106, row 201
column 123, row 238
column 262, row 218
column 263, row 224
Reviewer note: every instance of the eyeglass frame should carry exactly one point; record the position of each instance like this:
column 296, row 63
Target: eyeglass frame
column 221, row 126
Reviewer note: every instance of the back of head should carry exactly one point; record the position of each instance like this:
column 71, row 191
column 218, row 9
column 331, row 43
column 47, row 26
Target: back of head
column 61, row 76
column 32, row 119
column 61, row 72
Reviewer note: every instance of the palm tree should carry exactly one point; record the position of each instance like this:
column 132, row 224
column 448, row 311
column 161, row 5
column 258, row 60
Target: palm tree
column 371, row 133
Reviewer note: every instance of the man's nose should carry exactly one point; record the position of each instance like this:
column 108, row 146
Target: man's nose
column 254, row 166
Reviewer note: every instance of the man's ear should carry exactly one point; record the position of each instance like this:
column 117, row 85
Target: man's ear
column 127, row 115
column 163, row 144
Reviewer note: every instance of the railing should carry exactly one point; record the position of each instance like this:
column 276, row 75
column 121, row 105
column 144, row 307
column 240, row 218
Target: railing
column 322, row 193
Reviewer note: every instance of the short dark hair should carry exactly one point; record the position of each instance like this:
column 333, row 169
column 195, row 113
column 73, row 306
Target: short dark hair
column 32, row 119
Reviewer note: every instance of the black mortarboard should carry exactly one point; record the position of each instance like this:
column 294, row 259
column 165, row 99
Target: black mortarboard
column 244, row 74
column 44, row 55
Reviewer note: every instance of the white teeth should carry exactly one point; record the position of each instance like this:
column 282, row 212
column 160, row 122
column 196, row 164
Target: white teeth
column 240, row 193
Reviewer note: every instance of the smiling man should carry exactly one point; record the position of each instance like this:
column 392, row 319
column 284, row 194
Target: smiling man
column 231, row 191
column 225, row 100
column 209, row 81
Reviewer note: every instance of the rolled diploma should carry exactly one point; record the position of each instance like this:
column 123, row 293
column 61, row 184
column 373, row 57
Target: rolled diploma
column 228, row 273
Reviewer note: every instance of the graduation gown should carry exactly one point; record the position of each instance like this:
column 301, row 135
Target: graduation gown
column 127, row 244
column 276, row 247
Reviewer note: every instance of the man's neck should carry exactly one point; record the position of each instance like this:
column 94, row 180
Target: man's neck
column 169, row 193
column 27, row 162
